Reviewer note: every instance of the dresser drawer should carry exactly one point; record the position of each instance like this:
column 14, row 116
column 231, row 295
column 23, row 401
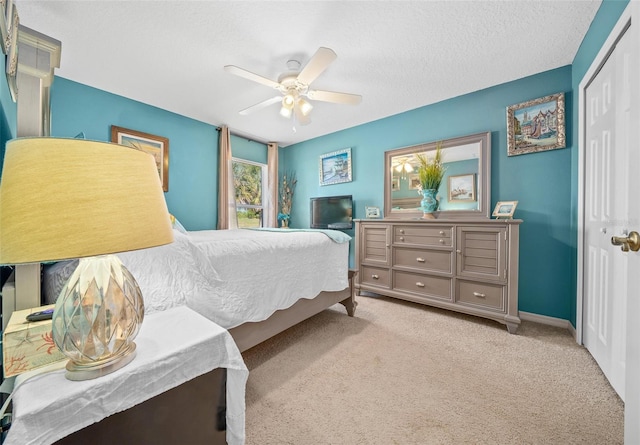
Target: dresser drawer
column 427, row 285
column 375, row 276
column 425, row 236
column 422, row 259
column 481, row 294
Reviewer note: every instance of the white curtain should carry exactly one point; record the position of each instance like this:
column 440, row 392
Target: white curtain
column 271, row 206
column 227, row 217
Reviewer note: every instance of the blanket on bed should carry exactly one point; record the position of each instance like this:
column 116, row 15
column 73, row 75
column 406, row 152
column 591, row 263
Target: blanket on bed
column 334, row 235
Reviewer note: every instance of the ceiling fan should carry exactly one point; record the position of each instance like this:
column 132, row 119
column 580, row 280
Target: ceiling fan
column 294, row 87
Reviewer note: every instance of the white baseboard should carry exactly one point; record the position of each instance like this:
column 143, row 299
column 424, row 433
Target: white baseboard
column 551, row 321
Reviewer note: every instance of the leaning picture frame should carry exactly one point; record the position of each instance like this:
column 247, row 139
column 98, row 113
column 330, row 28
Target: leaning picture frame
column 156, row 146
column 335, row 167
column 372, row 212
column 505, row 209
column 536, row 125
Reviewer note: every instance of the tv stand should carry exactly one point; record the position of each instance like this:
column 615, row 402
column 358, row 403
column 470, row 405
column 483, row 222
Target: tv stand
column 340, row 226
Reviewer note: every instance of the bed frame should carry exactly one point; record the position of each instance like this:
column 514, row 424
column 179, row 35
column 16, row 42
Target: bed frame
column 250, row 334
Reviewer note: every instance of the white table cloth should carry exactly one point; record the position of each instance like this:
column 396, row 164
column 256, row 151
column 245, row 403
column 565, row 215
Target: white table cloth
column 173, row 347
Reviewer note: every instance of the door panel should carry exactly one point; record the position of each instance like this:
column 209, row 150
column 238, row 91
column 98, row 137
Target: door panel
column 606, row 210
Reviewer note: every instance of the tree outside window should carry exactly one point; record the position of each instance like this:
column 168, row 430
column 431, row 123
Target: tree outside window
column 249, row 182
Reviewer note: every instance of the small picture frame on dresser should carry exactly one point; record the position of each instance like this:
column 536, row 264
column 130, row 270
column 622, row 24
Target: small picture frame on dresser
column 505, row 209
column 372, row 212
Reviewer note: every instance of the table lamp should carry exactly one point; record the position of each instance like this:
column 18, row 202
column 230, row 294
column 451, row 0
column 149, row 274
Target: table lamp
column 71, row 198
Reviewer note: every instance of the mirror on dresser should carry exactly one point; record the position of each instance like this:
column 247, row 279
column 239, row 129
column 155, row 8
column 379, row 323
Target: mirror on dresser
column 465, row 191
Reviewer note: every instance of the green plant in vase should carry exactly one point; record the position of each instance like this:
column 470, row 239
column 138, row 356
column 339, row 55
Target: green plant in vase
column 430, row 172
column 287, row 186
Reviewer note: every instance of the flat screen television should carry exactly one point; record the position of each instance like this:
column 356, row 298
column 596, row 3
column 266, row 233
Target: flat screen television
column 332, row 212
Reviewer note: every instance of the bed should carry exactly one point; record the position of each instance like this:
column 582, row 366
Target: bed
column 254, row 283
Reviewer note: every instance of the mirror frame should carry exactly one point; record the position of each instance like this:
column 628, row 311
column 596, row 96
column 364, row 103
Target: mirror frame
column 484, row 178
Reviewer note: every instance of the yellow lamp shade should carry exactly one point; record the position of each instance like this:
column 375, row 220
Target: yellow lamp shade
column 71, row 198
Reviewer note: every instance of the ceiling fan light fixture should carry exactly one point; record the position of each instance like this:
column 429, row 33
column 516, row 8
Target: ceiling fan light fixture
column 288, row 101
column 285, row 112
column 305, row 107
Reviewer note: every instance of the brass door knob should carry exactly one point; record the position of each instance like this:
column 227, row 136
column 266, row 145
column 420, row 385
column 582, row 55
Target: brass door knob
column 632, row 241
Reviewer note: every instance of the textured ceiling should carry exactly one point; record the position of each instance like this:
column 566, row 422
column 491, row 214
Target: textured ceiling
column 399, row 55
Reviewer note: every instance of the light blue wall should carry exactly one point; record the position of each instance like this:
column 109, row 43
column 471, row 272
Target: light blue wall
column 193, row 145
column 602, row 24
column 8, row 113
column 541, row 182
column 544, row 183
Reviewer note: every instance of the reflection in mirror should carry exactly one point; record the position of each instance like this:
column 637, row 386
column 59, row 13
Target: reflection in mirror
column 464, row 191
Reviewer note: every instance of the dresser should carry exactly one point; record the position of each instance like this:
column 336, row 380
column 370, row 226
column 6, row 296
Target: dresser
column 468, row 266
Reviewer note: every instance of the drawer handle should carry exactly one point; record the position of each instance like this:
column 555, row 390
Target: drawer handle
column 402, row 238
column 479, row 295
column 401, row 230
column 458, row 251
column 441, row 241
column 420, row 260
column 419, row 284
column 442, row 232
column 375, row 276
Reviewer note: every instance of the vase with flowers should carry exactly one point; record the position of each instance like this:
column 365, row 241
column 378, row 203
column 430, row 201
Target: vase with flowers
column 287, row 186
column 430, row 173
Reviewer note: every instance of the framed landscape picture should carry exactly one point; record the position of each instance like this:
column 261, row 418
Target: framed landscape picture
column 462, row 187
column 536, row 125
column 156, row 146
column 335, row 167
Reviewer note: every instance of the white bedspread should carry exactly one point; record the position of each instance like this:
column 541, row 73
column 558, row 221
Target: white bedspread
column 237, row 276
column 261, row 272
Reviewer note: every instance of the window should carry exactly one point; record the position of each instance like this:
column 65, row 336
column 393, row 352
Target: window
column 249, row 180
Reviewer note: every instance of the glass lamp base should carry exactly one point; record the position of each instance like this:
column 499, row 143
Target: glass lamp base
column 87, row 371
column 97, row 316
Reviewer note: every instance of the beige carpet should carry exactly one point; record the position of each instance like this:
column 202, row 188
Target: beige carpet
column 402, row 373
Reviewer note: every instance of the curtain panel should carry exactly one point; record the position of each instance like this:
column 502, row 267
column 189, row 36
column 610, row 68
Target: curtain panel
column 271, row 206
column 227, row 217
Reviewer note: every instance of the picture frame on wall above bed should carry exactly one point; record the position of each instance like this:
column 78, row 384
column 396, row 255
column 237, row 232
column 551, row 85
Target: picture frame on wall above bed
column 536, row 125
column 156, row 146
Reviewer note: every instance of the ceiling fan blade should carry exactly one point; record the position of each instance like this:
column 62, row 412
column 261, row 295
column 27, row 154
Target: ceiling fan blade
column 332, row 96
column 300, row 117
column 261, row 105
column 251, row 76
column 316, row 65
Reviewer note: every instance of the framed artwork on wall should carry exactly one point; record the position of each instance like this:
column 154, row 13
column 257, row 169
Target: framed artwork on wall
column 6, row 7
column 395, row 183
column 156, row 146
column 414, row 182
column 462, row 188
column 335, row 167
column 11, row 44
column 536, row 125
